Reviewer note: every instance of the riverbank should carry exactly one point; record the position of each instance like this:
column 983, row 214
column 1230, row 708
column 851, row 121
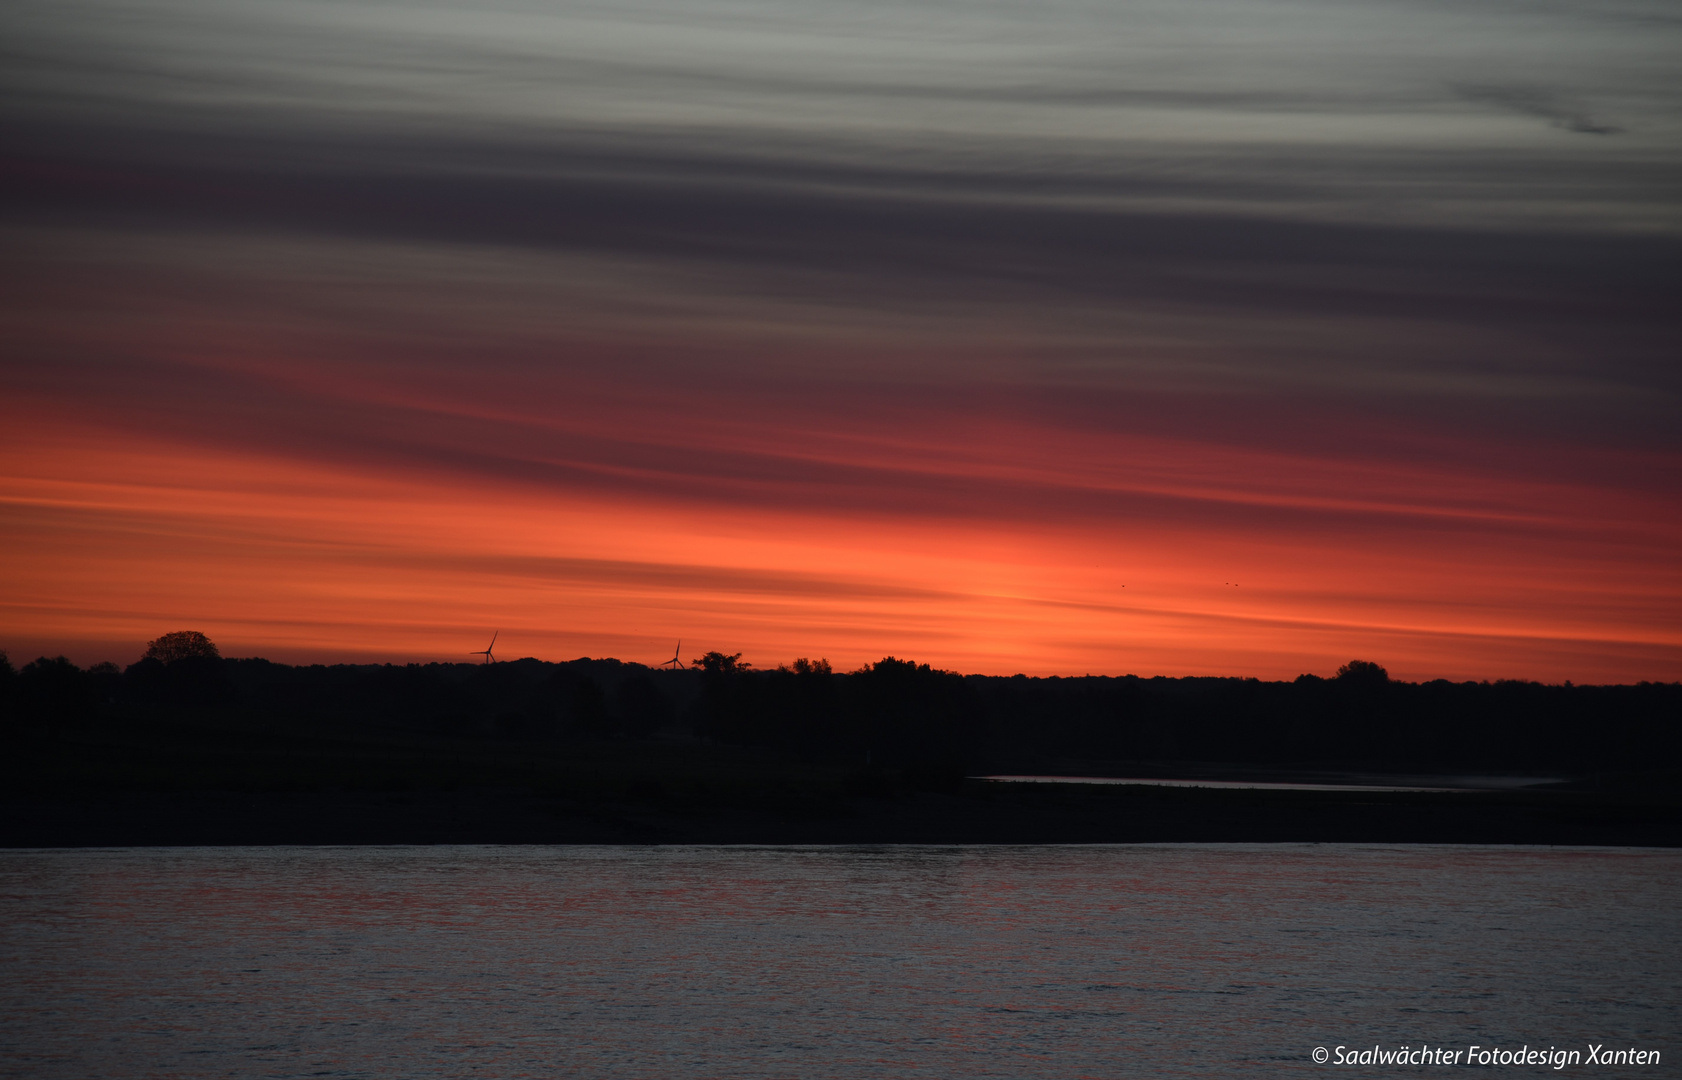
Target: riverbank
column 974, row 812
column 208, row 778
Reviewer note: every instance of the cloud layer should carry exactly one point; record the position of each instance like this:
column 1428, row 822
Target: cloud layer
column 1163, row 338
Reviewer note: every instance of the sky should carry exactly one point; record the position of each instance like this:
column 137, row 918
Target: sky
column 1191, row 338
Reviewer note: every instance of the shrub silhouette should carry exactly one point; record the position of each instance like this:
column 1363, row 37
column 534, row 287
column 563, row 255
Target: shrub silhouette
column 182, row 645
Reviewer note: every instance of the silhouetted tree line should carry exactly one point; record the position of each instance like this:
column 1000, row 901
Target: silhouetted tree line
column 181, row 677
column 895, row 713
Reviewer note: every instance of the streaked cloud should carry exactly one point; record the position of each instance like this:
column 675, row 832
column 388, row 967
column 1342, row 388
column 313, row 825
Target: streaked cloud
column 1003, row 336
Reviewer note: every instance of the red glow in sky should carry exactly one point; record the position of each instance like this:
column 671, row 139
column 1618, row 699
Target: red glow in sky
column 846, row 362
column 308, row 509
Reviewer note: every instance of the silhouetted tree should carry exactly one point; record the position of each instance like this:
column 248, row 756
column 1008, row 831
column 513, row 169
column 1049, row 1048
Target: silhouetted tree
column 8, row 691
column 182, row 668
column 1364, row 672
column 912, row 715
column 727, row 707
column 718, row 663
column 181, row 645
column 642, row 709
column 55, row 690
column 587, row 709
column 105, row 679
column 797, row 706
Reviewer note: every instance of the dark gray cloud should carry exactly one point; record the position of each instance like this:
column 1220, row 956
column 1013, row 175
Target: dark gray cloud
column 1313, row 109
column 1534, row 101
column 874, row 237
column 1284, row 189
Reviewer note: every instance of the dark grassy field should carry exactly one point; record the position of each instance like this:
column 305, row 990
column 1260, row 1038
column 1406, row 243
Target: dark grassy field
column 208, row 777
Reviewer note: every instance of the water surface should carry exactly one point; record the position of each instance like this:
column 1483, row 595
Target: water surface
column 1357, row 783
column 1186, row 960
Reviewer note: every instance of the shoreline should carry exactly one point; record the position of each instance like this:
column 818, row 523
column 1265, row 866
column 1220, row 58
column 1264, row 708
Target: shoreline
column 970, row 813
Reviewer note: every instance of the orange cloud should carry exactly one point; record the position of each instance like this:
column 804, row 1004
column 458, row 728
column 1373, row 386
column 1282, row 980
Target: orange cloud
column 344, row 453
column 111, row 537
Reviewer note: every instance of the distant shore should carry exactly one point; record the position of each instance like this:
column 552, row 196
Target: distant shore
column 973, row 812
column 201, row 750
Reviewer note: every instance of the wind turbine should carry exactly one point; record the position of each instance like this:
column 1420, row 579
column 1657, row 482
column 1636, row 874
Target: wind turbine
column 674, row 662
column 486, row 651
